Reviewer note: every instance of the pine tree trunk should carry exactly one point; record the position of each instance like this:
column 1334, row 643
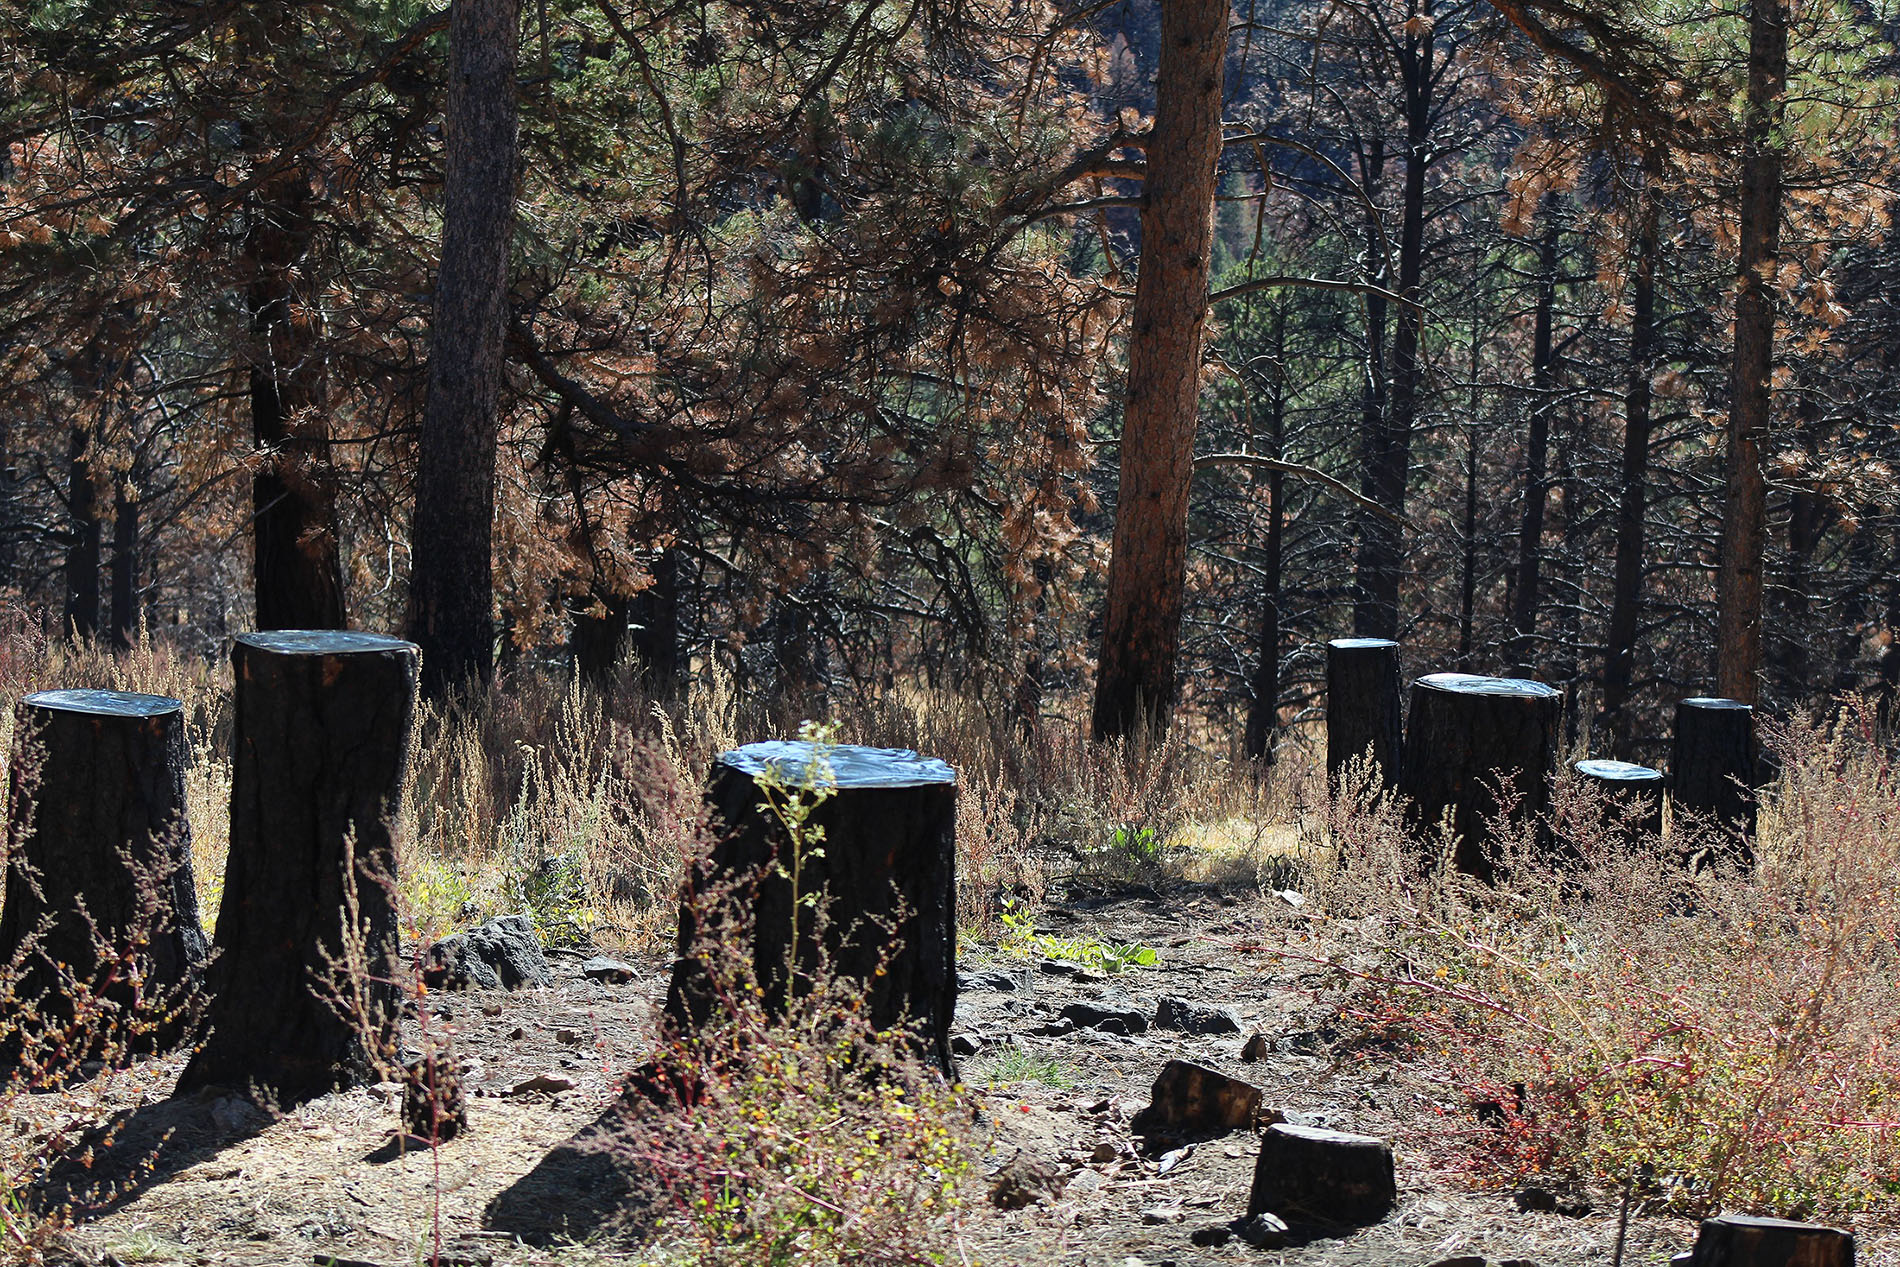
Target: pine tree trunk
column 1738, row 639
column 1362, row 707
column 96, row 816
column 655, row 616
column 125, row 566
column 1530, row 533
column 889, row 842
column 83, row 546
column 321, row 732
column 1466, row 737
column 1380, row 563
column 297, row 565
column 1626, row 601
column 1147, row 573
column 451, row 591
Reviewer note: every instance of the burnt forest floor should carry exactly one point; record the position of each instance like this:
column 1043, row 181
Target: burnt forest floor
column 214, row 1180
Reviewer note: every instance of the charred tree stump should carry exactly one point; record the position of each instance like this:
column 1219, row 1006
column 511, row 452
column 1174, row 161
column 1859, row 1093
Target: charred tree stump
column 1468, row 737
column 99, row 905
column 321, row 737
column 1305, row 1173
column 1712, row 771
column 1736, row 1240
column 884, row 880
column 1629, row 785
column 1362, row 707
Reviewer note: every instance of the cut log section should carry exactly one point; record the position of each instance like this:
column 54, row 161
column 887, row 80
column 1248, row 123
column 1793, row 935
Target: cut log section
column 1362, row 707
column 1636, row 788
column 1303, row 1173
column 1736, row 1240
column 99, row 906
column 1467, row 737
column 884, row 880
column 1712, row 771
column 321, row 734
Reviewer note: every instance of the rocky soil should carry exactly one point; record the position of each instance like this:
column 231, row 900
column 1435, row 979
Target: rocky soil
column 1063, row 1061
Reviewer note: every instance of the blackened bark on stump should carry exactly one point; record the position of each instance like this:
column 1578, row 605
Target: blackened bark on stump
column 1735, row 1240
column 1467, row 737
column 1628, row 785
column 1362, row 706
column 321, row 738
column 1712, row 771
column 1304, row 1172
column 887, row 875
column 96, row 814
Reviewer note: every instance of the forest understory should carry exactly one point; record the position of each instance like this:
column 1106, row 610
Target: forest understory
column 1535, row 1051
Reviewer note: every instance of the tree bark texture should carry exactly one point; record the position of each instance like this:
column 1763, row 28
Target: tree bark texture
column 1530, row 533
column 1626, row 599
column 1304, row 1173
column 1147, row 573
column 1468, row 737
column 1628, row 785
column 1362, row 707
column 1736, row 1240
column 1387, row 453
column 99, row 868
column 884, row 881
column 1263, row 713
column 321, row 733
column 83, row 545
column 1713, row 771
column 125, row 566
column 1738, row 641
column 297, row 563
column 451, row 592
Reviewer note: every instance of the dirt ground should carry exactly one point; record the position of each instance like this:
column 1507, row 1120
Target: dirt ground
column 224, row 1183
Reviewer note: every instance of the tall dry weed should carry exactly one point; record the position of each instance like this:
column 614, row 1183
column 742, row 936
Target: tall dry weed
column 1722, row 1039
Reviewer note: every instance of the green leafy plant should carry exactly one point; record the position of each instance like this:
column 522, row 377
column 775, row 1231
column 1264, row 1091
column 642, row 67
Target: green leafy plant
column 1016, row 1065
column 1021, row 939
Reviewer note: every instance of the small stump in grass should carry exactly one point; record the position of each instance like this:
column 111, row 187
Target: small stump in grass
column 1362, row 707
column 1712, row 770
column 1634, row 789
column 1304, row 1172
column 873, row 902
column 320, row 732
column 1736, row 1240
column 99, row 888
column 1469, row 737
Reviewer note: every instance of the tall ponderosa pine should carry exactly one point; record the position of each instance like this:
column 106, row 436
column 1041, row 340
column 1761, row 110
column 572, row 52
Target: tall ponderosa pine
column 1147, row 573
column 451, row 583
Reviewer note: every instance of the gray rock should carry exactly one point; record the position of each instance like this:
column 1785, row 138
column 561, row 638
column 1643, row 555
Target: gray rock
column 1096, row 1014
column 1192, row 1018
column 612, row 971
column 1262, row 1231
column 1025, row 1181
column 1002, row 982
column 965, row 1044
column 503, row 954
column 1213, row 1237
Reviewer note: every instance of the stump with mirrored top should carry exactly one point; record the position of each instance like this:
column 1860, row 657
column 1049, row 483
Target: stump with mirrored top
column 1635, row 792
column 100, row 882
column 1712, row 770
column 1467, row 737
column 1362, row 708
column 321, row 730
column 876, row 899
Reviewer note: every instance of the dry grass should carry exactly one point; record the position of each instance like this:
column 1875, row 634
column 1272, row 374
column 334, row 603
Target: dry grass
column 1721, row 1039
